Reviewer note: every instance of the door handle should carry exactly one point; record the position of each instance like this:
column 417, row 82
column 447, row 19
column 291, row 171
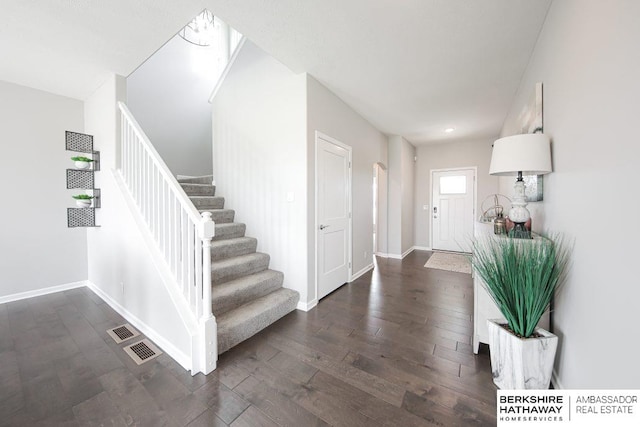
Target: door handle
column 322, row 227
column 435, row 212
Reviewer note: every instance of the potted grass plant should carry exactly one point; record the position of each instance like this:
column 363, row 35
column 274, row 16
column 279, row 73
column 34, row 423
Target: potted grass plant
column 82, row 162
column 521, row 276
column 83, row 200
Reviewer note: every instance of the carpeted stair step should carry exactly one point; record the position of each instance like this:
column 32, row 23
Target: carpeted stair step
column 207, row 179
column 245, row 321
column 208, row 202
column 228, row 248
column 229, row 231
column 242, row 290
column 199, row 189
column 220, row 216
column 243, row 265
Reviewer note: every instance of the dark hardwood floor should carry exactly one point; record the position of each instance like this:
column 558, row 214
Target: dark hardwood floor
column 392, row 348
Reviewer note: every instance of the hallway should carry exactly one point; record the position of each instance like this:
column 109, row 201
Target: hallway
column 391, row 348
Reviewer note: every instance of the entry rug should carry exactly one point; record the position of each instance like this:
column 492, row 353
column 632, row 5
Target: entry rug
column 450, row 262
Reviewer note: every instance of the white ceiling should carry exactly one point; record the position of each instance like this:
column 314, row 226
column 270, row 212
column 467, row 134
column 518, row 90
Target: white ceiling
column 410, row 67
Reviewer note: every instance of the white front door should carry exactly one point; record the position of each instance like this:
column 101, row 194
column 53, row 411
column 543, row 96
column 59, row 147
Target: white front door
column 452, row 211
column 333, row 183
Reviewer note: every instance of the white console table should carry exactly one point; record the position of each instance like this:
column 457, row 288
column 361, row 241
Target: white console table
column 483, row 306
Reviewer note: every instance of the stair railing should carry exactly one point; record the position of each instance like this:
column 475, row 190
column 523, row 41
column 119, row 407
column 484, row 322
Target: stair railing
column 182, row 234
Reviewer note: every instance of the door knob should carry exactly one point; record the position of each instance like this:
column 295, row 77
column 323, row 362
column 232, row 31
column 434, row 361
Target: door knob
column 322, row 227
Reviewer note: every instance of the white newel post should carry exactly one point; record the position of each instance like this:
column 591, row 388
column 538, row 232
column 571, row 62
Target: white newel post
column 208, row 326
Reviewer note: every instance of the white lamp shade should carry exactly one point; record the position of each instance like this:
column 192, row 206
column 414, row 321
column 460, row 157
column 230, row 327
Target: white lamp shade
column 527, row 153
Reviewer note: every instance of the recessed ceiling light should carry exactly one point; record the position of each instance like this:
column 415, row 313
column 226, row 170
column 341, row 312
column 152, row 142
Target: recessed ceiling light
column 449, row 130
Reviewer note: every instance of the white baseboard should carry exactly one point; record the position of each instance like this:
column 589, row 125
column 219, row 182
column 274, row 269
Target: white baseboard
column 306, row 306
column 183, row 359
column 361, row 272
column 382, row 255
column 401, row 256
column 43, row 291
column 422, row 248
column 408, row 251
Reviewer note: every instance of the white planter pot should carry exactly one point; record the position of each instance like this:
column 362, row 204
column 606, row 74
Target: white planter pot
column 83, row 203
column 82, row 165
column 519, row 363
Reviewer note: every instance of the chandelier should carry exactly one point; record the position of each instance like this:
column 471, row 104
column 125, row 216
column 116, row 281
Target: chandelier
column 200, row 30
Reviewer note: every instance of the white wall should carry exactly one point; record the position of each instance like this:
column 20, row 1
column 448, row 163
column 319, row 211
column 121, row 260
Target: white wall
column 329, row 115
column 408, row 189
column 450, row 155
column 587, row 59
column 259, row 155
column 120, row 264
column 169, row 97
column 383, row 195
column 401, row 194
column 37, row 250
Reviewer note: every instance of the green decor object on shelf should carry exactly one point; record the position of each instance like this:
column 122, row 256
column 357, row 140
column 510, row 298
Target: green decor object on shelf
column 82, row 162
column 83, row 200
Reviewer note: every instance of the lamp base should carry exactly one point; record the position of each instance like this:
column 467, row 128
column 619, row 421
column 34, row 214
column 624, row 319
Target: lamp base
column 519, row 231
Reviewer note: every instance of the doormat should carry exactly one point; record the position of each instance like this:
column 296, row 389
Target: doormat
column 450, row 262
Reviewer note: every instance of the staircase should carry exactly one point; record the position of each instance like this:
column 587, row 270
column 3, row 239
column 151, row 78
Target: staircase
column 246, row 295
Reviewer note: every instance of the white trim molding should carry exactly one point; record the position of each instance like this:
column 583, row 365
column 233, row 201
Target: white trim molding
column 401, row 256
column 422, row 248
column 361, row 272
column 306, row 306
column 183, row 359
column 42, row 291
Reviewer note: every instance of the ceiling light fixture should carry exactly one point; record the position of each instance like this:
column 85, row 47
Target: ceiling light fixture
column 200, row 30
column 449, row 130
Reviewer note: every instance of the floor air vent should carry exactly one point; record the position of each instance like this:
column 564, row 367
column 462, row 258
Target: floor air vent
column 142, row 351
column 122, row 333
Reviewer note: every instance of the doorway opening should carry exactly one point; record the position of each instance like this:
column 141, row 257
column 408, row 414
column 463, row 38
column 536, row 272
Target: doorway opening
column 380, row 209
column 453, row 199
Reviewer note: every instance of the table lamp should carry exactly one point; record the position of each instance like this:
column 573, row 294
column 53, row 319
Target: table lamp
column 528, row 154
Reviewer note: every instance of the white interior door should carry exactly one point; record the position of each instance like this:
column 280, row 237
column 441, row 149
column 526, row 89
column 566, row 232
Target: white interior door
column 453, row 195
column 333, row 215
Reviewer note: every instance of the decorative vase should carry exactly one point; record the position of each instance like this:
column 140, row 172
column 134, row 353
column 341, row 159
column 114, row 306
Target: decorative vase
column 82, row 165
column 521, row 363
column 83, row 203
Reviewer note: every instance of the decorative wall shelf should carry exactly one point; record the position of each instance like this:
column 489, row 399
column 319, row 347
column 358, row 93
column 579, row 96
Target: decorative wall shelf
column 84, row 179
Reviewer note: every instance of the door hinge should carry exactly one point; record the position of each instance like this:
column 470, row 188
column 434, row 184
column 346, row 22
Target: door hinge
column 349, row 265
column 349, row 165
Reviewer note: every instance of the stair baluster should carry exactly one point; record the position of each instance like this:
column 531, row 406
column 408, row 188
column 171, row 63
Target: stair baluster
column 182, row 235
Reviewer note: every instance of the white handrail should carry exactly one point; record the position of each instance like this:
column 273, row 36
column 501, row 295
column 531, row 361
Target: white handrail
column 183, row 235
